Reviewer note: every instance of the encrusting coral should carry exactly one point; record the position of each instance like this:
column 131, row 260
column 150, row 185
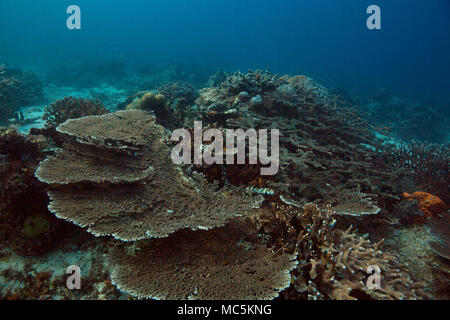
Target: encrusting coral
column 115, row 177
column 224, row 263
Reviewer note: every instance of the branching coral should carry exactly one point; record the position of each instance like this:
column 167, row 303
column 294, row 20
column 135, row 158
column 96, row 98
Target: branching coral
column 17, row 89
column 179, row 90
column 427, row 163
column 333, row 263
column 115, row 176
column 223, row 263
column 71, row 108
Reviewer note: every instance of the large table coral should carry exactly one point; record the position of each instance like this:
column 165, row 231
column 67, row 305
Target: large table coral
column 115, row 177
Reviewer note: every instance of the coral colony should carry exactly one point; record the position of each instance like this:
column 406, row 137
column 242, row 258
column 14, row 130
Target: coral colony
column 213, row 153
column 257, row 186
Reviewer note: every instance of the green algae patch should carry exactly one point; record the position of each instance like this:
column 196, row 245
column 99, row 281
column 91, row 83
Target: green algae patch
column 35, row 226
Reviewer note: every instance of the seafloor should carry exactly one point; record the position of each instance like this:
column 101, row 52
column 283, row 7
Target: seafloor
column 358, row 209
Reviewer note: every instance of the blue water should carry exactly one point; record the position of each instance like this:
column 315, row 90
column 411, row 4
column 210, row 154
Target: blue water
column 325, row 39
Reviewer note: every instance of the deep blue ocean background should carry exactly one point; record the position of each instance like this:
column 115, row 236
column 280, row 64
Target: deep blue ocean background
column 325, row 39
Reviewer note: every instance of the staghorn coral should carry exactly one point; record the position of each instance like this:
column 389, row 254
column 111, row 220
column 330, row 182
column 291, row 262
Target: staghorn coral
column 208, row 265
column 115, row 177
column 71, row 108
column 426, row 163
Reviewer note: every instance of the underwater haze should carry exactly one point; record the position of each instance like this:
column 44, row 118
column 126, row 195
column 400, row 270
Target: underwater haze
column 325, row 39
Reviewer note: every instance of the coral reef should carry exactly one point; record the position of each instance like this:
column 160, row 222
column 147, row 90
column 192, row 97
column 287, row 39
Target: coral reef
column 71, row 108
column 154, row 102
column 180, row 93
column 430, row 205
column 223, row 263
column 216, row 79
column 44, row 277
column 115, row 176
column 222, row 231
column 408, row 212
column 168, row 102
column 328, row 153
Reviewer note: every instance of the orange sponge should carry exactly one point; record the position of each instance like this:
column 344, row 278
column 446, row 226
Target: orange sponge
column 429, row 204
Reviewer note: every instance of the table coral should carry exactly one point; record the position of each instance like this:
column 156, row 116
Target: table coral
column 115, row 177
column 18, row 88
